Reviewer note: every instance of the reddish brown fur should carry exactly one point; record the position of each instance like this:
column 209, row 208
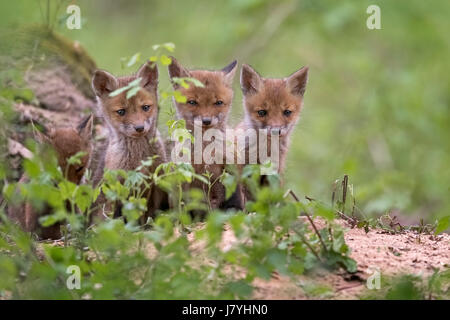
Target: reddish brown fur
column 127, row 147
column 66, row 142
column 214, row 90
column 217, row 87
column 274, row 96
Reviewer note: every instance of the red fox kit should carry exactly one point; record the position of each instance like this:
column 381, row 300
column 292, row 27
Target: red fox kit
column 66, row 142
column 132, row 123
column 208, row 106
column 273, row 105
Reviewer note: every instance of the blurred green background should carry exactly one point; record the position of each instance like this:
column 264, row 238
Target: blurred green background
column 377, row 103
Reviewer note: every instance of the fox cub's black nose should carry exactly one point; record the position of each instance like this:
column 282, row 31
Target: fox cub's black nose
column 206, row 121
column 139, row 128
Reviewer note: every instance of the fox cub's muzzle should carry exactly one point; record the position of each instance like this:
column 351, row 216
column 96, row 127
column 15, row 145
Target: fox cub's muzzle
column 206, row 121
column 139, row 128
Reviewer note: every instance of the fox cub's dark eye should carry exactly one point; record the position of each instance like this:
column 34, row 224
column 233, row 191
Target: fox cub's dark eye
column 287, row 113
column 262, row 113
column 192, row 102
column 121, row 112
column 218, row 103
column 146, row 107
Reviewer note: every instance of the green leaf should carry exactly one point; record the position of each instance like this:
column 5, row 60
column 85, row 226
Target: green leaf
column 180, row 81
column 230, row 183
column 240, row 288
column 196, row 82
column 8, row 190
column 131, row 85
column 135, row 82
column 67, row 189
column 132, row 92
column 405, row 288
column 84, row 197
column 8, row 273
column 135, row 58
column 325, row 212
column 31, row 168
column 118, row 91
column 277, row 258
column 179, row 97
column 51, row 219
column 165, row 60
column 169, row 46
column 76, row 158
column 236, row 221
column 183, row 81
column 443, row 224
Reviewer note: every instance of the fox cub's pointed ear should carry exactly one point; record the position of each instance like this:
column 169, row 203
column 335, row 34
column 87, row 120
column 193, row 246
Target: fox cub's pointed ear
column 229, row 71
column 297, row 81
column 45, row 136
column 149, row 74
column 176, row 70
column 250, row 80
column 85, row 128
column 103, row 83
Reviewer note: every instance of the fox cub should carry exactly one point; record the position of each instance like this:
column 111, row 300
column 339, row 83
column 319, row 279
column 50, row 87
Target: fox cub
column 66, row 142
column 132, row 125
column 208, row 106
column 273, row 105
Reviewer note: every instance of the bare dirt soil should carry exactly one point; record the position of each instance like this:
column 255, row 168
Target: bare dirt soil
column 397, row 254
column 392, row 254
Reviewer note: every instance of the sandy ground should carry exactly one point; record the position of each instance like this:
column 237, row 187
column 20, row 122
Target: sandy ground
column 390, row 254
